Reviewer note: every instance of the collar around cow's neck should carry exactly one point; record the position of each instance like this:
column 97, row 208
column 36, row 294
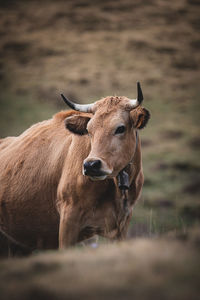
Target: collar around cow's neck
column 123, row 176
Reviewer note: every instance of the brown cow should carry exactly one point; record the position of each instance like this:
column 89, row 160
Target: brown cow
column 59, row 180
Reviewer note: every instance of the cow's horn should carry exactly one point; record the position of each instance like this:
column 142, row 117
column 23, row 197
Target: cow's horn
column 138, row 101
column 79, row 107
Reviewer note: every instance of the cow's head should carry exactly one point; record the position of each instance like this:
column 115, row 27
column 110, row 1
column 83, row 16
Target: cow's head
column 111, row 125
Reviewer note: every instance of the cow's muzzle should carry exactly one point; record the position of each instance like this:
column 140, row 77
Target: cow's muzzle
column 94, row 169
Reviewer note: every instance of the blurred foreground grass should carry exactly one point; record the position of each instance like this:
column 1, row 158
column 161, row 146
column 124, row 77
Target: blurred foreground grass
column 140, row 269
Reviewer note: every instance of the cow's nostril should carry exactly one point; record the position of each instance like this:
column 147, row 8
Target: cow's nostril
column 96, row 164
column 93, row 165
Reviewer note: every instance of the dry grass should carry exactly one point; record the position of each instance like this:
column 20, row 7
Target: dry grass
column 162, row 269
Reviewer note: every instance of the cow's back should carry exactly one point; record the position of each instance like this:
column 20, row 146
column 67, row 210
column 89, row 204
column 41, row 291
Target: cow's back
column 6, row 142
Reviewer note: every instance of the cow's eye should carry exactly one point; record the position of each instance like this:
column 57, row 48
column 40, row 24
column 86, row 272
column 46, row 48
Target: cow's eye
column 120, row 129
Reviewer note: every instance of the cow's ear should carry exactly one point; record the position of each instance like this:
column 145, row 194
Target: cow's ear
column 77, row 124
column 140, row 117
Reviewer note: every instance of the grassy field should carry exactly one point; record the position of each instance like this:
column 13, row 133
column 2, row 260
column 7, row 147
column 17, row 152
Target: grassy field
column 89, row 49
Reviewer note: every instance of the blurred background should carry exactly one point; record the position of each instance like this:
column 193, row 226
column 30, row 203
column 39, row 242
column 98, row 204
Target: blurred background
column 88, row 49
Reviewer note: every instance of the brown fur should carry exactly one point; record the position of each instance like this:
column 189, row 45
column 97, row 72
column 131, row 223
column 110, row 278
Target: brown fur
column 43, row 192
column 6, row 141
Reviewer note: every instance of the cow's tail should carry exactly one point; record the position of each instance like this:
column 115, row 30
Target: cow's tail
column 7, row 242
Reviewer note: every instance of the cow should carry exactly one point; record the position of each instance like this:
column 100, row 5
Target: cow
column 74, row 176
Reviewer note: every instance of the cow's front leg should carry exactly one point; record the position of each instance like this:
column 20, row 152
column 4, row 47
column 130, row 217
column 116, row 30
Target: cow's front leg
column 69, row 226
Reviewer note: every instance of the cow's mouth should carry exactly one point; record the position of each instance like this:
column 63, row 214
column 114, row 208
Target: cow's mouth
column 95, row 175
column 95, row 178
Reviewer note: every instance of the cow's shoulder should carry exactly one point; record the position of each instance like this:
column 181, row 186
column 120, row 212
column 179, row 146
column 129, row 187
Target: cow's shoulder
column 5, row 142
